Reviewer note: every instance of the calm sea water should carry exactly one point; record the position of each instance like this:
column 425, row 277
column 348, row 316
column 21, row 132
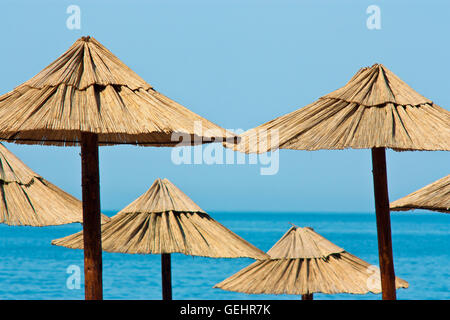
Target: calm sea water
column 31, row 268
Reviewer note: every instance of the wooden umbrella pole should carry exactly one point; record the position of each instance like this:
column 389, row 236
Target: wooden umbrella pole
column 91, row 217
column 307, row 296
column 166, row 276
column 383, row 224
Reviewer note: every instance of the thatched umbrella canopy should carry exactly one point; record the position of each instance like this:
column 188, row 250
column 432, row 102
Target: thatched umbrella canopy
column 375, row 110
column 303, row 262
column 435, row 197
column 164, row 220
column 89, row 97
column 27, row 199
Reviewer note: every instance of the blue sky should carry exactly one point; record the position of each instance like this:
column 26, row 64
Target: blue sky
column 239, row 64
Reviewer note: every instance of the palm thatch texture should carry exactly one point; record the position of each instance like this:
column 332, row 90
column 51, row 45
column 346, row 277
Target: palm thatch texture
column 166, row 220
column 88, row 97
column 27, row 199
column 163, row 221
column 375, row 110
column 303, row 262
column 88, row 89
column 435, row 197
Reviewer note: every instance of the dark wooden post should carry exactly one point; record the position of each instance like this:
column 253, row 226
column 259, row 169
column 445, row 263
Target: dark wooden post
column 91, row 217
column 383, row 224
column 307, row 296
column 166, row 276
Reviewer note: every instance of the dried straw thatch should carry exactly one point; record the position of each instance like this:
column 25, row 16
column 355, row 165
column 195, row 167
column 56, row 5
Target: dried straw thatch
column 89, row 89
column 165, row 220
column 88, row 97
column 435, row 197
column 374, row 109
column 27, row 199
column 302, row 262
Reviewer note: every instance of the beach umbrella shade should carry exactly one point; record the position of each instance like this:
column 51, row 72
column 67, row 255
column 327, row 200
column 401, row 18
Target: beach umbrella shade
column 434, row 197
column 302, row 263
column 374, row 110
column 88, row 97
column 27, row 199
column 162, row 221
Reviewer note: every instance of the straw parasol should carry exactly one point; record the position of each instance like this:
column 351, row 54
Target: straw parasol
column 303, row 262
column 435, row 197
column 163, row 221
column 375, row 110
column 27, row 199
column 88, row 97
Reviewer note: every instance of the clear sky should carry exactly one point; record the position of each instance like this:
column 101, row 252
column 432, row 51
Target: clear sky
column 239, row 64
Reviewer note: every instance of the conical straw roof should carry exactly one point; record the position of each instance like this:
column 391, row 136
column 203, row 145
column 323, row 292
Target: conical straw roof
column 435, row 196
column 303, row 243
column 303, row 262
column 89, row 89
column 27, row 199
column 374, row 109
column 165, row 220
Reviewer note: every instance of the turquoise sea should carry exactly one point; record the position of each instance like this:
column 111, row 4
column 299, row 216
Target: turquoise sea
column 31, row 268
